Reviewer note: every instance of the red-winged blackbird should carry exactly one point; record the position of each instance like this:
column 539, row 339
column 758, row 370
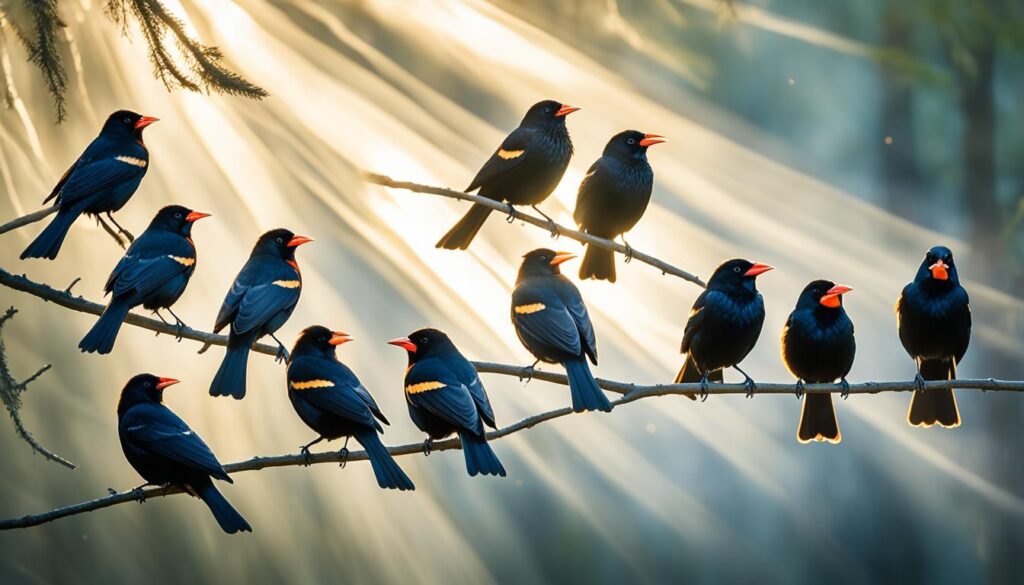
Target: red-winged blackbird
column 165, row 451
column 724, row 325
column 445, row 395
column 331, row 400
column 153, row 273
column 552, row 323
column 261, row 299
column 613, row 197
column 524, row 170
column 818, row 348
column 934, row 317
column 102, row 180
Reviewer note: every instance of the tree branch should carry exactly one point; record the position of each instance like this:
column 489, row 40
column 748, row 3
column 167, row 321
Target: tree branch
column 27, row 219
column 585, row 238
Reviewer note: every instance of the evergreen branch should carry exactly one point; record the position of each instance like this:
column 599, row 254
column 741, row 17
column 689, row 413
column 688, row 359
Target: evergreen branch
column 41, row 44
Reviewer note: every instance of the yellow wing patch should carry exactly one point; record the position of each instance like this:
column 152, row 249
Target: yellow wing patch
column 424, row 387
column 131, row 160
column 510, row 154
column 528, row 309
column 288, row 283
column 184, row 261
column 312, row 384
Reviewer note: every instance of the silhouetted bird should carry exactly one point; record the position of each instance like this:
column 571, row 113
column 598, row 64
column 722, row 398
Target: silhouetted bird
column 552, row 323
column 524, row 170
column 261, row 299
column 934, row 317
column 724, row 325
column 613, row 197
column 818, row 348
column 102, row 180
column 153, row 273
column 331, row 400
column 445, row 395
column 165, row 451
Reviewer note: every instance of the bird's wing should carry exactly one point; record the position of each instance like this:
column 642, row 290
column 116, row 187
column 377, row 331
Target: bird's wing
column 432, row 385
column 161, row 432
column 511, row 152
column 542, row 319
column 468, row 375
column 331, row 387
column 88, row 178
column 585, row 195
column 63, row 179
column 147, row 266
column 261, row 302
column 695, row 322
column 578, row 310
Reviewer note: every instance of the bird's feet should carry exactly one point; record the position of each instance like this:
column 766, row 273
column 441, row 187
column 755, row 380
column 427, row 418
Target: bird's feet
column 799, row 389
column 846, row 388
column 139, row 495
column 629, row 251
column 179, row 330
column 343, row 457
column 511, row 217
column 553, row 228
column 919, row 382
column 307, row 457
column 528, row 374
column 427, row 446
column 750, row 385
column 282, row 354
column 704, row 387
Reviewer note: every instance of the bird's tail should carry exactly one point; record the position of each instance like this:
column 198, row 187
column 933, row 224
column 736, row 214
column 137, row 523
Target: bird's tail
column 690, row 374
column 230, row 378
column 480, row 458
column 459, row 237
column 586, row 394
column 101, row 337
column 935, row 407
column 228, row 518
column 818, row 420
column 48, row 242
column 389, row 474
column 598, row 264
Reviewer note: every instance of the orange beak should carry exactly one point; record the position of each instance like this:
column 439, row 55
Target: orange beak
column 651, row 139
column 145, row 121
column 195, row 215
column 405, row 343
column 565, row 110
column 339, row 338
column 165, row 382
column 298, row 241
column 940, row 270
column 561, row 257
column 758, row 268
column 831, row 298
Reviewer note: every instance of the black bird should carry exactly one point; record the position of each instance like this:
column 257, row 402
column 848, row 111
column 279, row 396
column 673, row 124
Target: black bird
column 613, row 197
column 445, row 395
column 934, row 317
column 524, row 170
column 102, row 180
column 331, row 400
column 818, row 348
column 153, row 273
column 724, row 325
column 552, row 323
column 165, row 451
column 261, row 299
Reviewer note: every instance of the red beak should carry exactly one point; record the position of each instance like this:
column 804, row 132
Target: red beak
column 565, row 110
column 940, row 270
column 651, row 139
column 145, row 121
column 758, row 268
column 405, row 343
column 298, row 241
column 165, row 382
column 339, row 337
column 831, row 298
column 196, row 215
column 561, row 257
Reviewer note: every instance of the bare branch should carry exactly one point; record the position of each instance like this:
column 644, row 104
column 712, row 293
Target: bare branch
column 27, row 219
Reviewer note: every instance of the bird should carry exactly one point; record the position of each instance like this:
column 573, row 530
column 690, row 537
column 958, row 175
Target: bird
column 261, row 299
column 102, row 180
column 934, row 316
column 165, row 451
column 724, row 325
column 331, row 400
column 153, row 273
column 445, row 395
column 552, row 323
column 818, row 347
column 612, row 197
column 524, row 170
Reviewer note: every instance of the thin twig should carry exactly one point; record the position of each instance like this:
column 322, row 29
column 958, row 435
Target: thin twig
column 27, row 219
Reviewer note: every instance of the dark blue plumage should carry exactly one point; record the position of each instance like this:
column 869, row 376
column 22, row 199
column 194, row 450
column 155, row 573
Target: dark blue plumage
column 261, row 299
column 165, row 451
column 934, row 316
column 613, row 196
column 552, row 323
column 445, row 395
column 331, row 400
column 102, row 180
column 524, row 170
column 153, row 273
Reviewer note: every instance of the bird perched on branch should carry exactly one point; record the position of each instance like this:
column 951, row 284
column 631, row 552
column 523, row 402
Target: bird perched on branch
column 724, row 325
column 165, row 451
column 261, row 299
column 613, row 196
column 445, row 395
column 102, row 180
column 153, row 273
column 552, row 323
column 331, row 400
column 524, row 170
column 818, row 348
column 934, row 316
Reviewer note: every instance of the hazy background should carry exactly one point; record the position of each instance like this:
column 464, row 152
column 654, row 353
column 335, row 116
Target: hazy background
column 834, row 140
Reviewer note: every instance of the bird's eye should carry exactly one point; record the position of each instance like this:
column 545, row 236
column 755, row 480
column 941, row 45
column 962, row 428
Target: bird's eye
column 424, row 340
column 177, row 215
column 280, row 241
column 736, row 269
column 816, row 291
column 323, row 339
column 148, row 384
column 127, row 120
column 542, row 258
column 632, row 141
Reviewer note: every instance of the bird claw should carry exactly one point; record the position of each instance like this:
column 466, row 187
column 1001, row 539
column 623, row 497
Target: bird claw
column 427, row 446
column 282, row 354
column 846, row 388
column 799, row 389
column 629, row 251
column 553, row 228
column 139, row 495
column 528, row 375
column 179, row 330
column 306, row 455
column 750, row 385
column 704, row 387
column 919, row 382
column 511, row 214
column 343, row 455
